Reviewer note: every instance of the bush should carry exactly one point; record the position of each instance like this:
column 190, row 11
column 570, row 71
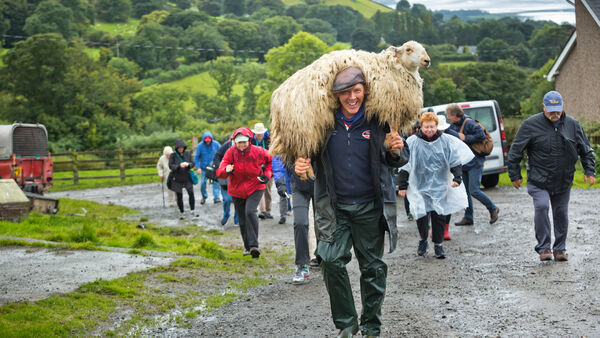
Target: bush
column 144, row 240
column 155, row 76
column 154, row 140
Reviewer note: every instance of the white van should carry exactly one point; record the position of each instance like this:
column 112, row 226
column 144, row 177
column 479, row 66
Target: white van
column 488, row 114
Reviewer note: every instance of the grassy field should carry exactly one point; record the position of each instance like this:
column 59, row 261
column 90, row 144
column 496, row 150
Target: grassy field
column 123, row 29
column 206, row 277
column 366, row 7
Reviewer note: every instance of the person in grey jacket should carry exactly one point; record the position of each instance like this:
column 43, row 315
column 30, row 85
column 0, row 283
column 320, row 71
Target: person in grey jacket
column 553, row 142
column 355, row 203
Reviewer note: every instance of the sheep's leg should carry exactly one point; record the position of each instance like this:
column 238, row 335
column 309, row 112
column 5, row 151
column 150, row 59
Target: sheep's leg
column 309, row 175
column 388, row 137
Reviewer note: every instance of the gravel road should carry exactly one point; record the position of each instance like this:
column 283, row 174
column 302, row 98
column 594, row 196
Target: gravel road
column 491, row 284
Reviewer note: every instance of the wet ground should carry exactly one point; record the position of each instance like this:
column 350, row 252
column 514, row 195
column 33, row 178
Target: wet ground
column 491, row 284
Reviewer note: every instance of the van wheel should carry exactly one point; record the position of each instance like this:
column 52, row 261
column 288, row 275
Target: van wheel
column 490, row 181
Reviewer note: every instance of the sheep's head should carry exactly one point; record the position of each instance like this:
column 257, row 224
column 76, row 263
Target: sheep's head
column 412, row 55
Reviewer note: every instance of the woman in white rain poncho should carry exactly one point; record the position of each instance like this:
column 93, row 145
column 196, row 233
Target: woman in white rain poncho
column 435, row 186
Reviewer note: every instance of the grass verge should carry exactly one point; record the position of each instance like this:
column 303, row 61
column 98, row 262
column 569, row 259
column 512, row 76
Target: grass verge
column 210, row 277
column 578, row 182
column 104, row 182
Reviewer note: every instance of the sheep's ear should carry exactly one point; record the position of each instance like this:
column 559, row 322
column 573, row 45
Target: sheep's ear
column 397, row 50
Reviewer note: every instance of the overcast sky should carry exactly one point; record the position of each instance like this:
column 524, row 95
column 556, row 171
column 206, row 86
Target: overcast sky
column 555, row 10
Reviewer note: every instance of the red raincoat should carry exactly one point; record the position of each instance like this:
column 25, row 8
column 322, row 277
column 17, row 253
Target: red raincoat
column 246, row 167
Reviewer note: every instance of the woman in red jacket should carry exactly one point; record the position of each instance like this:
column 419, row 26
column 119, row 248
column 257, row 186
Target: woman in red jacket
column 248, row 168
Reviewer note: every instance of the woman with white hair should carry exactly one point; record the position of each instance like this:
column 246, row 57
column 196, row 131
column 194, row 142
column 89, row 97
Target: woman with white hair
column 163, row 172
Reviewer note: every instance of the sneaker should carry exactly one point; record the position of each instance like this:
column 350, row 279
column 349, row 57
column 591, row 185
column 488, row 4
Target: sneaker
column 546, row 255
column 261, row 215
column 268, row 215
column 301, row 274
column 224, row 220
column 494, row 215
column 254, row 252
column 560, row 256
column 410, row 217
column 464, row 221
column 203, row 200
column 181, row 215
column 282, row 220
column 195, row 213
column 422, row 248
column 439, row 251
column 446, row 233
column 217, row 201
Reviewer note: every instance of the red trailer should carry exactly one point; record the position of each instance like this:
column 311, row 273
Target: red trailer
column 24, row 156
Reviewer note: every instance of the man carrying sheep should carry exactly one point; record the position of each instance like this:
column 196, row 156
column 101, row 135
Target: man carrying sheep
column 355, row 203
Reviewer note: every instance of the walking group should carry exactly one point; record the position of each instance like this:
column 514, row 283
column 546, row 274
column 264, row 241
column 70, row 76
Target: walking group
column 361, row 168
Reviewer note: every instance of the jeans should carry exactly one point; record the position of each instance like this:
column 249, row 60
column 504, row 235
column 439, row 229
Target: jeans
column 226, row 203
column 216, row 187
column 472, row 180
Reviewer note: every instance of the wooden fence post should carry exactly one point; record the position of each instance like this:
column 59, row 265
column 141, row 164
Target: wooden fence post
column 194, row 144
column 75, row 167
column 121, row 165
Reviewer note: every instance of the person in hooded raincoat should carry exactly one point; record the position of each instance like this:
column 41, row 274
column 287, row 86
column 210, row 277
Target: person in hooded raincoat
column 205, row 151
column 248, row 168
column 434, row 183
column 181, row 163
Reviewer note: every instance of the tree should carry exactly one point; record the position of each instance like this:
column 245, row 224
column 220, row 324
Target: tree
column 163, row 105
column 143, row 7
column 281, row 28
column 275, row 5
column 240, row 35
column 14, row 13
column 402, row 6
column 492, row 50
column 185, row 19
column 301, row 50
column 152, row 35
column 237, row 7
column 296, row 11
column 83, row 15
column 546, row 43
column 212, row 7
column 206, row 43
column 183, row 4
column 113, row 10
column 125, row 67
column 365, row 40
column 225, row 73
column 50, row 17
column 445, row 91
column 251, row 74
column 537, row 80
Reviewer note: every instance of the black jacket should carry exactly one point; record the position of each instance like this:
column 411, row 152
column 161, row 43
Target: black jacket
column 181, row 176
column 551, row 152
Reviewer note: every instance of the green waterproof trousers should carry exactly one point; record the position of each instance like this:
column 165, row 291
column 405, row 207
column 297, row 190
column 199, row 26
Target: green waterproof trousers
column 359, row 226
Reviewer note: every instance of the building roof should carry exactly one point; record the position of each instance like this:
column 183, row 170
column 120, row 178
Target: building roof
column 593, row 7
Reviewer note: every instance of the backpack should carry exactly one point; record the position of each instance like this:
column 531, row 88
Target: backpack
column 481, row 148
column 211, row 172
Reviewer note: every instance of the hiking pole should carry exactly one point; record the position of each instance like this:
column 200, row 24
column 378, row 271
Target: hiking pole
column 162, row 187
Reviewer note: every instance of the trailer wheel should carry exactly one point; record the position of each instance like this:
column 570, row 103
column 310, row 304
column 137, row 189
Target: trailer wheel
column 490, row 181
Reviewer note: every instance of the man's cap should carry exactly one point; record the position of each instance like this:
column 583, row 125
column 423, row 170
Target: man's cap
column 553, row 101
column 348, row 78
column 259, row 128
column 442, row 123
column 241, row 138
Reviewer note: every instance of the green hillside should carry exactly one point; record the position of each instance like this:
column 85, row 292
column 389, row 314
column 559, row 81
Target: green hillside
column 122, row 29
column 366, row 7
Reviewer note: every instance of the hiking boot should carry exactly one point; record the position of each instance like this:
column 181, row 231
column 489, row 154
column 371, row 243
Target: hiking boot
column 439, row 251
column 224, row 220
column 464, row 221
column 282, row 220
column 254, row 252
column 410, row 217
column 348, row 332
column 446, row 233
column 268, row 215
column 261, row 215
column 422, row 248
column 203, row 200
column 494, row 215
column 560, row 256
column 301, row 274
column 546, row 255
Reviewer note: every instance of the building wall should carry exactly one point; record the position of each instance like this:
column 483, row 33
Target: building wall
column 578, row 79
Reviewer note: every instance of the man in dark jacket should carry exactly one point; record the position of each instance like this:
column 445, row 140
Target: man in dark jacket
column 470, row 132
column 355, row 203
column 553, row 142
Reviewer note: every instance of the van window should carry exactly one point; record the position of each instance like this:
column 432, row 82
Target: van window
column 485, row 116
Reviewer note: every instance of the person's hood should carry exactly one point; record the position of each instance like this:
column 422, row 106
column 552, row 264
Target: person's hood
column 209, row 134
column 244, row 131
column 179, row 143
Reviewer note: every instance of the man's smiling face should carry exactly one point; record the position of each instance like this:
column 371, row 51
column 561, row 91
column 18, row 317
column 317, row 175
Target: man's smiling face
column 351, row 99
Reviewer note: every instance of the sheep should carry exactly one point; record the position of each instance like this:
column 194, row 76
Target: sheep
column 302, row 106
